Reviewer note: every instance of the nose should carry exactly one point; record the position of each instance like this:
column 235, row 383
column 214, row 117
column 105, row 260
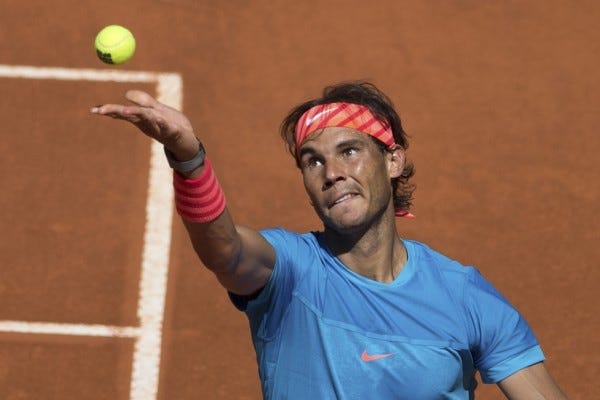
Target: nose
column 333, row 172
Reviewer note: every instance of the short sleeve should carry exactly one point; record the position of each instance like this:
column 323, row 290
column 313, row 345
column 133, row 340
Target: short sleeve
column 267, row 309
column 501, row 340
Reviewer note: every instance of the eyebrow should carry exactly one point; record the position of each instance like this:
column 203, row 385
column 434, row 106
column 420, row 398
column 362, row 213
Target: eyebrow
column 345, row 144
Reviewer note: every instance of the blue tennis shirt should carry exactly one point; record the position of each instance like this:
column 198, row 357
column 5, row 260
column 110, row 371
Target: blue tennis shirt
column 321, row 331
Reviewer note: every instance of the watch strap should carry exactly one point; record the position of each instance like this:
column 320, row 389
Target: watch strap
column 189, row 165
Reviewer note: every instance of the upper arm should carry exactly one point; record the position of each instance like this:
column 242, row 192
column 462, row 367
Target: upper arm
column 531, row 383
column 254, row 265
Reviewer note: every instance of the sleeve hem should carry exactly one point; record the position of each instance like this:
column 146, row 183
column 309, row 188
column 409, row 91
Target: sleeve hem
column 504, row 369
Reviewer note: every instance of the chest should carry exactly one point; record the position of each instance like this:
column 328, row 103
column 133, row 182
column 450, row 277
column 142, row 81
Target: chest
column 322, row 358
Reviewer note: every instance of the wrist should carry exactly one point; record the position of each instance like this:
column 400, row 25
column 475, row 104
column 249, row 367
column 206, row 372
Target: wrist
column 200, row 199
column 186, row 162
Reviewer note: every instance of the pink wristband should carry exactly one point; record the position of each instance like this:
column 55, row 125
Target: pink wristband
column 201, row 199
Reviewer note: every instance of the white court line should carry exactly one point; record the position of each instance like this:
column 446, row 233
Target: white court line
column 50, row 328
column 157, row 237
column 69, row 74
column 155, row 259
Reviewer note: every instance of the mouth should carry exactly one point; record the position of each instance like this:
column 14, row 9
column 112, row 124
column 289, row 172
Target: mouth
column 343, row 199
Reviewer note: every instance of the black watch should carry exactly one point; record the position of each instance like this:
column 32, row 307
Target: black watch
column 189, row 165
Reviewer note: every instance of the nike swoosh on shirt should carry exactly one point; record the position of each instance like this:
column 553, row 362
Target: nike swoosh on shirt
column 373, row 357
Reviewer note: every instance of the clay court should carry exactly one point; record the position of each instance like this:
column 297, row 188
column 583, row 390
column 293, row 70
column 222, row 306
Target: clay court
column 101, row 296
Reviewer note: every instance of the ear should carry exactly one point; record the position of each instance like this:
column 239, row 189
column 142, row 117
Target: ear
column 396, row 159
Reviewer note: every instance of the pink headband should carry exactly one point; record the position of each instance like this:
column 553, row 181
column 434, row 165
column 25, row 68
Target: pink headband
column 346, row 115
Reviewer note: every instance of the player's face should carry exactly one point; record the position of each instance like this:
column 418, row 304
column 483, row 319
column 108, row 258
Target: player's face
column 347, row 177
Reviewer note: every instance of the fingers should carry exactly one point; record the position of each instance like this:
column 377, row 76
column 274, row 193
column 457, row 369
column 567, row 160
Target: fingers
column 132, row 114
column 145, row 118
column 112, row 110
column 153, row 118
column 138, row 97
column 141, row 98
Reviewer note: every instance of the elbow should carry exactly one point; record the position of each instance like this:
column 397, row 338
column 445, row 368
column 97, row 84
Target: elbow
column 221, row 260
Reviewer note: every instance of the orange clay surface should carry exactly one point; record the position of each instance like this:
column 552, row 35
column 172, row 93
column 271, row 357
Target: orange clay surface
column 500, row 99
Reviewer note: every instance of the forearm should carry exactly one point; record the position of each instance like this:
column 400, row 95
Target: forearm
column 239, row 257
column 200, row 201
column 217, row 243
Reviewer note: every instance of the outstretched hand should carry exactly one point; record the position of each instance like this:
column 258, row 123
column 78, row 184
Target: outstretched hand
column 156, row 120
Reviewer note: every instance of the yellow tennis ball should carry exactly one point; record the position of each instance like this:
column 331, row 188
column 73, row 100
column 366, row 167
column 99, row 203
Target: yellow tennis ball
column 115, row 44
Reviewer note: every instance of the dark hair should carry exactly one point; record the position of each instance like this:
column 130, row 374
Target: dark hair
column 368, row 95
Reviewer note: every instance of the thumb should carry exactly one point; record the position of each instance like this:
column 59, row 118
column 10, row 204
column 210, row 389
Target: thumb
column 141, row 98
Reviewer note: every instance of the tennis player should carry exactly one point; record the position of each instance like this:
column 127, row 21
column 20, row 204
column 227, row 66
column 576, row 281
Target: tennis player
column 354, row 310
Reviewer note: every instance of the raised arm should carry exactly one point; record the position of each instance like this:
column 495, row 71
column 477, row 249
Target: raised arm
column 240, row 257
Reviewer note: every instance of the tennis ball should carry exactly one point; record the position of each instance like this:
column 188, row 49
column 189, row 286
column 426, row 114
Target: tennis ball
column 114, row 44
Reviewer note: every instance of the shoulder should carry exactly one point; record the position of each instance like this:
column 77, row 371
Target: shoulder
column 453, row 273
column 290, row 242
column 278, row 233
column 295, row 250
column 435, row 262
column 500, row 339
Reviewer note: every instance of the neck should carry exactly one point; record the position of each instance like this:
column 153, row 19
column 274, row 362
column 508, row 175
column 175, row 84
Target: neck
column 377, row 253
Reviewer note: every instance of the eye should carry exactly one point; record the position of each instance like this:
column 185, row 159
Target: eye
column 311, row 162
column 349, row 151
